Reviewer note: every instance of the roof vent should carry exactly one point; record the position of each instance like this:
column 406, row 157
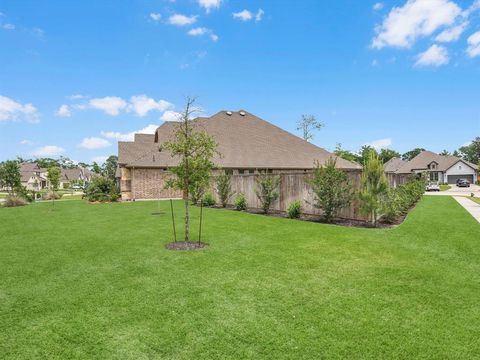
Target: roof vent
column 229, row 113
column 242, row 113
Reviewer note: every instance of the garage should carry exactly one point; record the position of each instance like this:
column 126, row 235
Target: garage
column 452, row 179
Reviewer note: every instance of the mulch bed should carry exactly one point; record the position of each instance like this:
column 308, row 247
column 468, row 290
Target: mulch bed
column 185, row 245
column 320, row 219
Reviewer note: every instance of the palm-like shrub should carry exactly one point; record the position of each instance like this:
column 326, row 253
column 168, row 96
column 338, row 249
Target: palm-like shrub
column 224, row 188
column 241, row 202
column 294, row 209
column 13, row 201
column 267, row 190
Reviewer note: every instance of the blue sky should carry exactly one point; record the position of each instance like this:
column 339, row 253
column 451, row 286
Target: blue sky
column 76, row 76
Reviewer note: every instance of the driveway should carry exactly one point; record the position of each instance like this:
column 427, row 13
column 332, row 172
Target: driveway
column 459, row 191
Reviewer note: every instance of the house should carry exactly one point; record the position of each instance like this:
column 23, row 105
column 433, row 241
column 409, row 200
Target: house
column 35, row 178
column 247, row 145
column 439, row 168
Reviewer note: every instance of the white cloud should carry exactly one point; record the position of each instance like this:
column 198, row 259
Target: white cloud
column 26, row 142
column 453, row 33
column 8, row 26
column 182, row 20
column 77, row 97
column 243, row 15
column 142, row 105
column 473, row 49
column 171, row 116
column 149, row 129
column 199, row 31
column 378, row 6
column 94, row 143
column 416, row 19
column 99, row 159
column 11, row 110
column 209, row 4
column 155, row 16
column 380, row 144
column 64, row 111
column 112, row 105
column 49, row 150
column 259, row 15
column 435, row 56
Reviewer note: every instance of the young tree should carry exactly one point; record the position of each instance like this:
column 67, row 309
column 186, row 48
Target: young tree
column 331, row 189
column 365, row 152
column 10, row 176
column 307, row 125
column 374, row 187
column 195, row 150
column 388, row 154
column 267, row 190
column 110, row 167
column 409, row 155
column 53, row 176
column 445, row 153
column 224, row 188
column 96, row 168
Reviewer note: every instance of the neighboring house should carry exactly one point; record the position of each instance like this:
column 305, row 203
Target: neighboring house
column 439, row 168
column 247, row 145
column 35, row 178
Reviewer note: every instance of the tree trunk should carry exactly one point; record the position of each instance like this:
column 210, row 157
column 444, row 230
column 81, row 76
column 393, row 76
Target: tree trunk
column 187, row 220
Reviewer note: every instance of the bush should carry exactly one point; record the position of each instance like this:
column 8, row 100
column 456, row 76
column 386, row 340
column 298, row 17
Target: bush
column 208, row 200
column 224, row 188
column 241, row 202
column 267, row 190
column 398, row 201
column 102, row 189
column 294, row 209
column 51, row 195
column 13, row 201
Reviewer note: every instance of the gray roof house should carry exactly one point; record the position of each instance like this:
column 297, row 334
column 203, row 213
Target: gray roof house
column 440, row 169
column 247, row 144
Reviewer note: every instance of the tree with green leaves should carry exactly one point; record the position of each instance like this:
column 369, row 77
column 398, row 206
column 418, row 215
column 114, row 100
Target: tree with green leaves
column 224, row 188
column 409, row 155
column 46, row 162
column 445, row 153
column 307, row 125
column 471, row 152
column 374, row 187
column 388, row 154
column 364, row 153
column 53, row 177
column 331, row 189
column 110, row 167
column 345, row 154
column 194, row 150
column 267, row 190
column 96, row 168
column 10, row 176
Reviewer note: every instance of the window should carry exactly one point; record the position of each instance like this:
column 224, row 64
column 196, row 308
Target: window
column 459, row 167
column 251, row 171
column 241, row 171
column 229, row 172
column 434, row 176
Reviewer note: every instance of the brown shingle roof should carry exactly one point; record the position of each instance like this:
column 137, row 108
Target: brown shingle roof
column 144, row 137
column 393, row 165
column 244, row 142
column 422, row 160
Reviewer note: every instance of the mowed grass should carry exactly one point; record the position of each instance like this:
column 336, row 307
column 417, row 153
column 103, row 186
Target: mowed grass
column 95, row 282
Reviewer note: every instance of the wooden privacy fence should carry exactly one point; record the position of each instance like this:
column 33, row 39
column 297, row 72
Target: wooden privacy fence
column 293, row 186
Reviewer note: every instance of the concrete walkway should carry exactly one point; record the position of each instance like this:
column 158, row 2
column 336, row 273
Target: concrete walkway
column 472, row 207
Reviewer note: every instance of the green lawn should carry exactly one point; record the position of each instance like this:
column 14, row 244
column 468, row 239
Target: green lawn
column 444, row 187
column 475, row 199
column 95, row 282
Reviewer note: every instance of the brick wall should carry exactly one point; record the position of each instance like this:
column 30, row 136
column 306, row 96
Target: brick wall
column 150, row 184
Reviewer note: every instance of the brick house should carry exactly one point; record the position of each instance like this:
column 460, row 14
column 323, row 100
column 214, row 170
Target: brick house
column 247, row 145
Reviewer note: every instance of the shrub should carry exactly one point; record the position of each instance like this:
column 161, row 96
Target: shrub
column 267, row 190
column 331, row 188
column 13, row 201
column 224, row 188
column 241, row 202
column 102, row 189
column 51, row 195
column 294, row 209
column 208, row 200
column 392, row 206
